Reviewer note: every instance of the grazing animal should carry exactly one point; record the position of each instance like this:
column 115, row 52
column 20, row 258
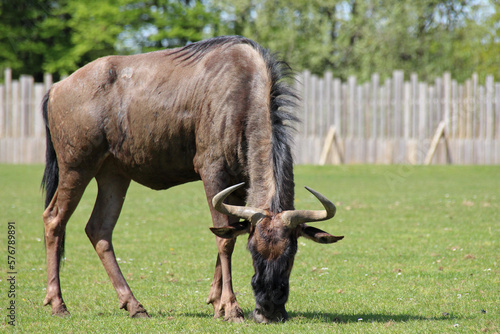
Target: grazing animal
column 216, row 111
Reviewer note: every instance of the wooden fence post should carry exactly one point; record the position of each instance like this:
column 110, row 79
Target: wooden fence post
column 330, row 142
column 440, row 132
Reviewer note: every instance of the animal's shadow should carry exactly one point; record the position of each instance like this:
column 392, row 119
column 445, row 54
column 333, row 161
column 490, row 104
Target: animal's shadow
column 338, row 317
column 364, row 317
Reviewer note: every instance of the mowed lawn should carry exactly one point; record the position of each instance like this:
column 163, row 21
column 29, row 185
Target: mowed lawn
column 421, row 254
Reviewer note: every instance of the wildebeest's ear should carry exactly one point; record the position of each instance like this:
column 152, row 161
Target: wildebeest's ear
column 317, row 235
column 231, row 231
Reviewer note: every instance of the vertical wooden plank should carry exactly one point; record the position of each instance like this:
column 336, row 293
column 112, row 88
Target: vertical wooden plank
column 313, row 112
column 495, row 148
column 47, row 81
column 461, row 112
column 438, row 102
column 375, row 82
column 432, row 111
column 422, row 112
column 344, row 110
column 15, row 114
column 407, row 108
column 26, row 105
column 388, row 112
column 360, row 154
column 300, row 86
column 497, row 113
column 459, row 159
column 359, row 112
column 337, row 105
column 489, row 117
column 8, row 102
column 320, row 111
column 489, row 120
column 23, row 108
column 382, row 112
column 38, row 126
column 32, row 106
column 2, row 111
column 497, row 152
column 313, row 105
column 474, row 109
column 374, row 104
column 309, row 115
column 328, row 99
column 454, row 120
column 446, row 97
column 414, row 94
column 398, row 78
column 454, row 112
column 481, row 119
column 2, row 150
column 468, row 108
column 488, row 151
column 305, row 120
column 366, row 110
column 351, row 81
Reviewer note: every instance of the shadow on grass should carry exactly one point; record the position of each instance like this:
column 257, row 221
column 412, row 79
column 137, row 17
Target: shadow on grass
column 363, row 317
column 336, row 318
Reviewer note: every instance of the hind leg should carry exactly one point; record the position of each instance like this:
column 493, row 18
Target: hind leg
column 112, row 188
column 69, row 192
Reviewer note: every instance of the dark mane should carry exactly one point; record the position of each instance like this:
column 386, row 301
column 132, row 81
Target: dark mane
column 283, row 100
column 195, row 51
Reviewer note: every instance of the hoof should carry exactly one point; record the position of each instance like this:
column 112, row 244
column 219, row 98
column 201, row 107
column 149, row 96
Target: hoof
column 135, row 310
column 236, row 320
column 235, row 315
column 141, row 314
column 60, row 311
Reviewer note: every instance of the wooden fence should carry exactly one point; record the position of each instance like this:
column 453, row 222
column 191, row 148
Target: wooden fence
column 22, row 133
column 396, row 121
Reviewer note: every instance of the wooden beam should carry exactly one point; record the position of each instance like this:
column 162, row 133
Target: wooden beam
column 330, row 140
column 440, row 132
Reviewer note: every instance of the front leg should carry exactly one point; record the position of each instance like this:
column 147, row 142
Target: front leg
column 221, row 294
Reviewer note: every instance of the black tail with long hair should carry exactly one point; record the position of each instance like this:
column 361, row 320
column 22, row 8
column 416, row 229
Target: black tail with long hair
column 50, row 179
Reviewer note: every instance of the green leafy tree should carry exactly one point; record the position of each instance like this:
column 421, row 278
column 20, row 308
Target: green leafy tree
column 360, row 37
column 78, row 32
column 346, row 37
column 22, row 46
column 61, row 36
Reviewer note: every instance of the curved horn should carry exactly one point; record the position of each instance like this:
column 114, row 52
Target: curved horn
column 232, row 210
column 295, row 217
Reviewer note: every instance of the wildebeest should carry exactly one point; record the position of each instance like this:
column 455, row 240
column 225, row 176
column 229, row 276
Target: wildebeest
column 217, row 111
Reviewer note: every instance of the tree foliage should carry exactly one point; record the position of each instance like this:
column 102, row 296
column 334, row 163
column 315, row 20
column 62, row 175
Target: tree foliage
column 61, row 36
column 346, row 37
column 360, row 37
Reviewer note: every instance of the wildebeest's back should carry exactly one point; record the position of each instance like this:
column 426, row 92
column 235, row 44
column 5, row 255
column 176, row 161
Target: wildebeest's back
column 155, row 112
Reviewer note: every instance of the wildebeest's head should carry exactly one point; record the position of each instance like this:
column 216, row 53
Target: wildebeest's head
column 273, row 245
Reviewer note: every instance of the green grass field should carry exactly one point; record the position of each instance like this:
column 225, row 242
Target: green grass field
column 420, row 255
